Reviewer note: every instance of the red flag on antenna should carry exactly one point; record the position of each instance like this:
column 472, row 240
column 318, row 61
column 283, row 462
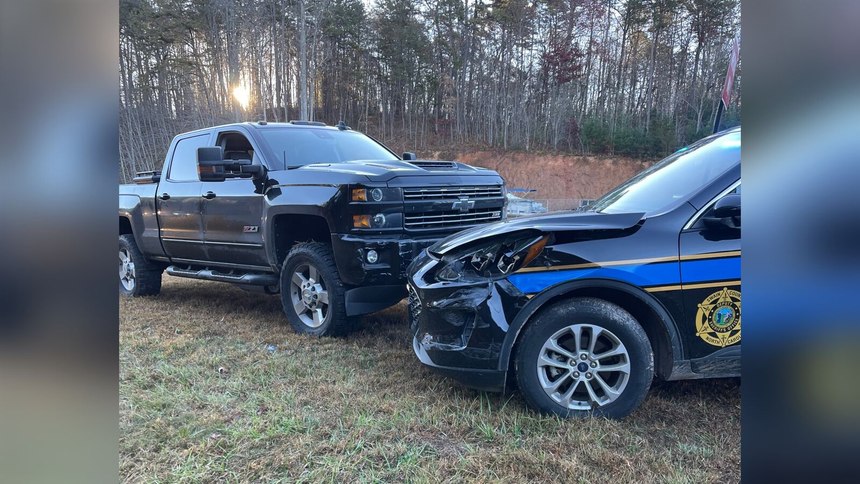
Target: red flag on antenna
column 730, row 74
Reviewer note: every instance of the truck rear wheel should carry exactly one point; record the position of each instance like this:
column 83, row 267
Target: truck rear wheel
column 312, row 293
column 137, row 275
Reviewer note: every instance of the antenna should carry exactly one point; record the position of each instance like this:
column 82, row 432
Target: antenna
column 342, row 126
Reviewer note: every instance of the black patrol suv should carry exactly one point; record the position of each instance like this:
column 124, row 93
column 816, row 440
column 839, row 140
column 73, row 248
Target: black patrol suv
column 325, row 216
column 583, row 309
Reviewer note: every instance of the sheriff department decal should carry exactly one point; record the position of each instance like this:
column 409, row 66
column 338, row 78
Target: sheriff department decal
column 718, row 321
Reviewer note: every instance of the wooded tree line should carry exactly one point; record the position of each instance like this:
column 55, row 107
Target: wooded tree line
column 631, row 77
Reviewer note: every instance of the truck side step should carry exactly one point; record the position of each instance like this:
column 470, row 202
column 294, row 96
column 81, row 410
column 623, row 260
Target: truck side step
column 254, row 279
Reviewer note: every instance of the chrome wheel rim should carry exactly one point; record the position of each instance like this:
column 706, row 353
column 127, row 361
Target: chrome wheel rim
column 126, row 270
column 583, row 366
column 309, row 296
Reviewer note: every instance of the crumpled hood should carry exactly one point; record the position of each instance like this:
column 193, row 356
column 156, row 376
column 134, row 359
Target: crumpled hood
column 552, row 222
column 382, row 171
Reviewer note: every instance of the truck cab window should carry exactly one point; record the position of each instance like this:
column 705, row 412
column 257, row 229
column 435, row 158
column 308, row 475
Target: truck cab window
column 237, row 147
column 183, row 166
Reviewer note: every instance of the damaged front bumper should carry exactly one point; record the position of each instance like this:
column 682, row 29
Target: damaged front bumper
column 459, row 328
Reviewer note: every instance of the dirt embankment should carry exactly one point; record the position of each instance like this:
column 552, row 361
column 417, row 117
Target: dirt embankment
column 554, row 175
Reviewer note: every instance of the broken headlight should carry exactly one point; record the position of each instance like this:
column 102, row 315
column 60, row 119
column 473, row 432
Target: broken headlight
column 491, row 260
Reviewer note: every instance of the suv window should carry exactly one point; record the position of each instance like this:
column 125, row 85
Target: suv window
column 183, row 166
column 675, row 178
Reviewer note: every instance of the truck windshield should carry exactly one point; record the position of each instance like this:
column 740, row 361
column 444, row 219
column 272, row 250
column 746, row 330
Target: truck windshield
column 302, row 146
column 674, row 178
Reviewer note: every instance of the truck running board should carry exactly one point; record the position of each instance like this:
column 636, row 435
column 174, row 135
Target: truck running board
column 254, row 279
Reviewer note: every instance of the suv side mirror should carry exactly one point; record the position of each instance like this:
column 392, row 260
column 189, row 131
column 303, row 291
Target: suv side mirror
column 409, row 156
column 728, row 206
column 211, row 166
column 726, row 213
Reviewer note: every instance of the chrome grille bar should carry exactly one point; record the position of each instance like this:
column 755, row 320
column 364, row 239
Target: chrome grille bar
column 452, row 193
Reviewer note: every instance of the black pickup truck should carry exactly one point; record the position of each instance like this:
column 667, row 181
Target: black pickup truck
column 326, row 216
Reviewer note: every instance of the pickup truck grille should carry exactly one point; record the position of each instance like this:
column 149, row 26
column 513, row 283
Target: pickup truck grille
column 452, row 193
column 452, row 218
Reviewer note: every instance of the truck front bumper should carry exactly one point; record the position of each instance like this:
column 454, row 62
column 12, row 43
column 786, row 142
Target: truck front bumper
column 382, row 283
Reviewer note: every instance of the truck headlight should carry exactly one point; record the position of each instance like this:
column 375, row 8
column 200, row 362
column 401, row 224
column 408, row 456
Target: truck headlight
column 388, row 220
column 491, row 260
column 359, row 193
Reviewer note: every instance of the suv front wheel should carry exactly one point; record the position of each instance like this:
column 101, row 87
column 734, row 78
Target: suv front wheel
column 312, row 293
column 584, row 356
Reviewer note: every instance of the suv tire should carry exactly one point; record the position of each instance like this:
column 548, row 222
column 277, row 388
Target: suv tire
column 138, row 276
column 582, row 357
column 312, row 294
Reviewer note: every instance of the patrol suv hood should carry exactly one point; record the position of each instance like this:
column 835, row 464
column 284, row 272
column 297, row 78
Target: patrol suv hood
column 383, row 171
column 599, row 223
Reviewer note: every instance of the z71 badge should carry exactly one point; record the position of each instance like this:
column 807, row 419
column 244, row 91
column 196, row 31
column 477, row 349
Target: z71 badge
column 718, row 321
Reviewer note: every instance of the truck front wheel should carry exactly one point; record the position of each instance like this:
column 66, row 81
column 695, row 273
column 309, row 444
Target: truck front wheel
column 137, row 275
column 312, row 293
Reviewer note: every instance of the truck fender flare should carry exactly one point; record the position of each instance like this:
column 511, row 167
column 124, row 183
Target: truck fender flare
column 269, row 223
column 537, row 302
column 129, row 209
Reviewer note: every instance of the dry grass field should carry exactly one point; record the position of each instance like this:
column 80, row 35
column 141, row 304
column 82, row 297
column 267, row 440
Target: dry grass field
column 215, row 386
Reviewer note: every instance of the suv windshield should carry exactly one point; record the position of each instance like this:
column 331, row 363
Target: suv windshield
column 303, row 146
column 674, row 178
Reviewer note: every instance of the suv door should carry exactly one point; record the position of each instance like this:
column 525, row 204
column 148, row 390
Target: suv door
column 178, row 201
column 711, row 281
column 233, row 210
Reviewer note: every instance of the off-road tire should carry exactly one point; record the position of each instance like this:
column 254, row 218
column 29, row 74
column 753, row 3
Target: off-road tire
column 584, row 311
column 147, row 274
column 319, row 255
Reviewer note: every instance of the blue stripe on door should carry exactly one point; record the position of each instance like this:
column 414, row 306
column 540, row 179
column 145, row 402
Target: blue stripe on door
column 643, row 275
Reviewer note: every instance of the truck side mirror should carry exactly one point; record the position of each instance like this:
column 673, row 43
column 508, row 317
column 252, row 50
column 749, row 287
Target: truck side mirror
column 210, row 163
column 409, row 156
column 211, row 166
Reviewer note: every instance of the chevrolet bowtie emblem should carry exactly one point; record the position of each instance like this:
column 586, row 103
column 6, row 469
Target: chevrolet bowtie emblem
column 463, row 205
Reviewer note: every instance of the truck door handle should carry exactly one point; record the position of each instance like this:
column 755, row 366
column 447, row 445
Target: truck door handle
column 209, row 195
column 164, row 196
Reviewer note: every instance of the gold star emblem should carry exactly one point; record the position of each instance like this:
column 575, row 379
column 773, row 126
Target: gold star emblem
column 718, row 320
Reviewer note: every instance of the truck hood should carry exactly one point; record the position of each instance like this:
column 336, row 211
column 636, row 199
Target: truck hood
column 546, row 223
column 383, row 171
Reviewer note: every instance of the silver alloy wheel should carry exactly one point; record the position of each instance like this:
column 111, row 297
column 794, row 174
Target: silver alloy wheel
column 583, row 365
column 126, row 270
column 309, row 295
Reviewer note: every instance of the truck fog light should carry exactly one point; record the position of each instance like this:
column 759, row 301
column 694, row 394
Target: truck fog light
column 379, row 220
column 372, row 256
column 376, row 195
column 361, row 221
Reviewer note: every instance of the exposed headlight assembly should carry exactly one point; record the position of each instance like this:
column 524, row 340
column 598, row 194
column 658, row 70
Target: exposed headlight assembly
column 492, row 260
